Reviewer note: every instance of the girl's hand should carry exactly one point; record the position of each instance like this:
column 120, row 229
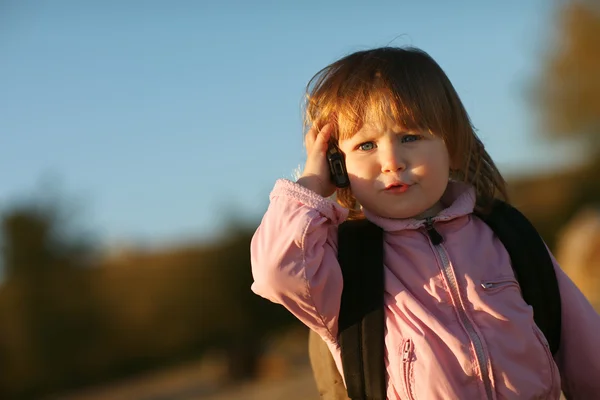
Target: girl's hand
column 316, row 175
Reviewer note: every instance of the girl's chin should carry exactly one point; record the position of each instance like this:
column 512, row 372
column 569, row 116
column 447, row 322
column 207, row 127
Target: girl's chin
column 416, row 213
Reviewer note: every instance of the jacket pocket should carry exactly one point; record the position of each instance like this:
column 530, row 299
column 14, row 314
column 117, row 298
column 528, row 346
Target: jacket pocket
column 496, row 285
column 553, row 369
column 408, row 355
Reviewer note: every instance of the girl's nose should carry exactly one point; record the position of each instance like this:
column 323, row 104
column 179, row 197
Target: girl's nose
column 392, row 160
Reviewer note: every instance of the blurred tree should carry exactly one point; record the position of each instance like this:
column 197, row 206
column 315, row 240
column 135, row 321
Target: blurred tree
column 66, row 326
column 47, row 294
column 566, row 94
column 37, row 236
column 568, row 91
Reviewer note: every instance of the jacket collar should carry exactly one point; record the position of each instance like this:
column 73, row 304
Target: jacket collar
column 458, row 199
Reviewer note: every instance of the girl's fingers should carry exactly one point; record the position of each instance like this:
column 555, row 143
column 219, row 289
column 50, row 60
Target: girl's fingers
column 324, row 135
column 318, row 138
column 309, row 139
column 321, row 139
column 316, row 174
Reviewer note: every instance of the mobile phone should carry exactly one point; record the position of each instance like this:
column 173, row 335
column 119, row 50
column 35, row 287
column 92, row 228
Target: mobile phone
column 337, row 166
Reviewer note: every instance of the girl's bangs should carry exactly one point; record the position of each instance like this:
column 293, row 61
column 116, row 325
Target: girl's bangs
column 377, row 98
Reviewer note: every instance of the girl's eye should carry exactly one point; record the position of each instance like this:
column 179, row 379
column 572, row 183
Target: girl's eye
column 409, row 138
column 366, row 146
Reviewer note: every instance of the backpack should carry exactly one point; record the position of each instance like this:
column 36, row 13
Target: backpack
column 361, row 317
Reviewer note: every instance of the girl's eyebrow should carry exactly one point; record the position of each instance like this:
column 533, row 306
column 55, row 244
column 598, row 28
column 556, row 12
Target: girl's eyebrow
column 370, row 129
column 362, row 133
column 374, row 131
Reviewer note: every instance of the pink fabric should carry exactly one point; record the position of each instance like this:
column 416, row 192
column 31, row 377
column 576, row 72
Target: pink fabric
column 428, row 352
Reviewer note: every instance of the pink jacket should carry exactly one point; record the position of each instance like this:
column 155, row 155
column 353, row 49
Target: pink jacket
column 456, row 324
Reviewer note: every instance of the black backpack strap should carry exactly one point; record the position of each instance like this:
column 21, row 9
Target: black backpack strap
column 532, row 265
column 361, row 317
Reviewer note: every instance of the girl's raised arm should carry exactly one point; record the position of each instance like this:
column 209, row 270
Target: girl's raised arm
column 294, row 256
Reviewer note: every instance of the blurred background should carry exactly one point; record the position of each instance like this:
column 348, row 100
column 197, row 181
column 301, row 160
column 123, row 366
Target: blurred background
column 139, row 141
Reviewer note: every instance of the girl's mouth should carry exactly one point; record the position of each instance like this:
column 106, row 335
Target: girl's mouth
column 396, row 188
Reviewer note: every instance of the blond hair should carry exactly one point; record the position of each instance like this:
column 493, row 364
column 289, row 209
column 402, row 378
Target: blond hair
column 407, row 85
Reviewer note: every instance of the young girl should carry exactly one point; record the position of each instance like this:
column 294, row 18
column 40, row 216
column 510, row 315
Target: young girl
column 415, row 163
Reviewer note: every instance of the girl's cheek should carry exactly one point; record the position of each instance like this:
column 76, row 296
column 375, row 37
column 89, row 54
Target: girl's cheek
column 351, row 165
column 358, row 168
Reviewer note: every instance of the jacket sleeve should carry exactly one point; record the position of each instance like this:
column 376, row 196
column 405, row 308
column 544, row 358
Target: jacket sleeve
column 578, row 357
column 294, row 256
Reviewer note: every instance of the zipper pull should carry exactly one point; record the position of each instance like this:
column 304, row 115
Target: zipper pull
column 406, row 351
column 434, row 235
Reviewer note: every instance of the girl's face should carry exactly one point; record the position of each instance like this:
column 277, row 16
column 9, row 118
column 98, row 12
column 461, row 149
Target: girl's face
column 394, row 173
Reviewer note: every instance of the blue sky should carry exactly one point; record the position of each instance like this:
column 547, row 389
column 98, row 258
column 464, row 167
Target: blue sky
column 168, row 119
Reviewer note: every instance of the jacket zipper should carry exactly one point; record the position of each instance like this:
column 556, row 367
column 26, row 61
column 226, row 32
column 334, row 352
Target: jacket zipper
column 437, row 239
column 488, row 285
column 406, row 360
